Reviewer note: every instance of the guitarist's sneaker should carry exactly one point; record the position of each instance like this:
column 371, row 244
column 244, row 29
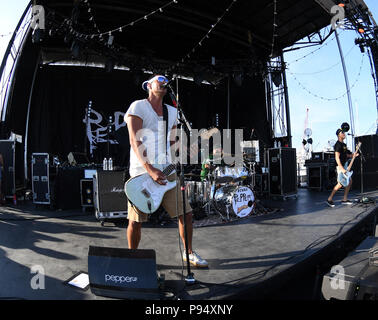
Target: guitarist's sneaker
column 330, row 203
column 195, row 260
column 346, row 202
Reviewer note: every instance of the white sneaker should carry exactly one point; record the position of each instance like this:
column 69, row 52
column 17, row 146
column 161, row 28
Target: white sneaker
column 195, row 260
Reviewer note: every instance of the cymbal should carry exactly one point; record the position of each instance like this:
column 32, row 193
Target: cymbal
column 192, row 175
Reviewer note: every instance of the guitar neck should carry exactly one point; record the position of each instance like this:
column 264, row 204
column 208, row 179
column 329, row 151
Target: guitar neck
column 351, row 163
column 168, row 170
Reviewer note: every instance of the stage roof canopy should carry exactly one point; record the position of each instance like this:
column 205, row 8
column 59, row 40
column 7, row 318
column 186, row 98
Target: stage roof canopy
column 242, row 31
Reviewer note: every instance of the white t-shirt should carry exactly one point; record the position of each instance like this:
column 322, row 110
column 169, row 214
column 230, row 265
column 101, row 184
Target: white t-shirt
column 152, row 135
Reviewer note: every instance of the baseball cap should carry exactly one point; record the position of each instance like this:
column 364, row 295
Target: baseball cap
column 338, row 131
column 159, row 78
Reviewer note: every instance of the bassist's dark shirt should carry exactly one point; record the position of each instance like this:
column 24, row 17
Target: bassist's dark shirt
column 343, row 150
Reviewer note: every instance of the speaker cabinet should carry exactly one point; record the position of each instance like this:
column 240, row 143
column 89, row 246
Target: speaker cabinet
column 123, row 273
column 282, row 171
column 369, row 146
column 86, row 191
column 370, row 174
column 354, row 278
column 110, row 200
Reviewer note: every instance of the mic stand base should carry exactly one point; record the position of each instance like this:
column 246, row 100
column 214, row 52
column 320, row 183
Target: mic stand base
column 190, row 280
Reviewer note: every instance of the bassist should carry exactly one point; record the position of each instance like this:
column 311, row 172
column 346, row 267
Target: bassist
column 342, row 154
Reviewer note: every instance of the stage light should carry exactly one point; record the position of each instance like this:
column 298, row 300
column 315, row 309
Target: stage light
column 345, row 127
column 310, row 141
column 304, row 142
column 361, row 29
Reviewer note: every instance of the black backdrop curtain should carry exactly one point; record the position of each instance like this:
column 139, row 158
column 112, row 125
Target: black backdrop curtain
column 62, row 93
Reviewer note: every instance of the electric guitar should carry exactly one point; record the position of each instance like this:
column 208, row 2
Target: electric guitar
column 344, row 178
column 146, row 194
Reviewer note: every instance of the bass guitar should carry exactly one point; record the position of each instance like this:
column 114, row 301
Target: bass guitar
column 344, row 178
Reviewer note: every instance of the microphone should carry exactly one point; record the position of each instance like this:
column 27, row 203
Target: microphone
column 167, row 84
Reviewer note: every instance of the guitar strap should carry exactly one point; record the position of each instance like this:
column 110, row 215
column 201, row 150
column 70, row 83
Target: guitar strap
column 165, row 118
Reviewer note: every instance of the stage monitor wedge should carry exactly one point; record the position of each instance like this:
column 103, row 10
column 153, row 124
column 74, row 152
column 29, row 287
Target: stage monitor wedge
column 123, row 273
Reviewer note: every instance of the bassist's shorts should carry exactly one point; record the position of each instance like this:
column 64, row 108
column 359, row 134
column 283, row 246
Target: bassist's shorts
column 168, row 203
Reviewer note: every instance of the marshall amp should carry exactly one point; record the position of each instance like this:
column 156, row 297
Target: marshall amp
column 109, row 196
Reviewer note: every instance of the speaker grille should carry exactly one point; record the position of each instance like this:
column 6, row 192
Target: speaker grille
column 110, row 189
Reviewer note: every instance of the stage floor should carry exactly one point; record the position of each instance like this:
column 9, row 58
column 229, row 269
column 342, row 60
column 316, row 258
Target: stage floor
column 247, row 258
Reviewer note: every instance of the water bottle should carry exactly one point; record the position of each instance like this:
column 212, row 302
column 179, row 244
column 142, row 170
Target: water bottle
column 110, row 165
column 105, row 164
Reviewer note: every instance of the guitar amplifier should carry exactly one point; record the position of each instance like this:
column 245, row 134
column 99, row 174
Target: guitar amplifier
column 109, row 196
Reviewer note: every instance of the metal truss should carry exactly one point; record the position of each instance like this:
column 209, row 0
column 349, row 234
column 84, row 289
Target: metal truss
column 277, row 98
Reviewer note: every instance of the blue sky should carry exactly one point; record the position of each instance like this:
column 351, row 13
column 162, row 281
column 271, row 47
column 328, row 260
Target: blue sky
column 324, row 116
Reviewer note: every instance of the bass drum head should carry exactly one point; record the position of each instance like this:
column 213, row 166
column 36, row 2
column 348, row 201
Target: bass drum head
column 243, row 201
column 233, row 200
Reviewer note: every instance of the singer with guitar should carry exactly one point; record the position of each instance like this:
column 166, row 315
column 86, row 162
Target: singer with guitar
column 153, row 181
column 343, row 169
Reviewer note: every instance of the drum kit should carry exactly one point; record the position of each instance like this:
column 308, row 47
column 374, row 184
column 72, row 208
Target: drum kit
column 226, row 191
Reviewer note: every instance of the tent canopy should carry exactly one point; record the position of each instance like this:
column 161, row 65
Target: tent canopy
column 170, row 39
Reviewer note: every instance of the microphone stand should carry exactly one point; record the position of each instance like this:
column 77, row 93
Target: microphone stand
column 362, row 159
column 189, row 279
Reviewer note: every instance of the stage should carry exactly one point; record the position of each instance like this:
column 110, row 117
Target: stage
column 267, row 256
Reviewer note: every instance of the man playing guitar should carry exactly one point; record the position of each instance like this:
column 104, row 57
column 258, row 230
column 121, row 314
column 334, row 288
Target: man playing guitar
column 147, row 114
column 341, row 155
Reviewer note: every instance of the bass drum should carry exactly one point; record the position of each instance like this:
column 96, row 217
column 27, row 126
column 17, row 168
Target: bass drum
column 234, row 201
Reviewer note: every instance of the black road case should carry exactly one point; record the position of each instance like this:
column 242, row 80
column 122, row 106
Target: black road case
column 40, row 178
column 282, row 172
column 7, row 149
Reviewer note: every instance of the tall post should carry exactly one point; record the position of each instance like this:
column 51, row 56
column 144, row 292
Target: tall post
column 287, row 106
column 348, row 89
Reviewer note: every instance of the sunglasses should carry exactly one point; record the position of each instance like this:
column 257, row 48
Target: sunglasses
column 160, row 79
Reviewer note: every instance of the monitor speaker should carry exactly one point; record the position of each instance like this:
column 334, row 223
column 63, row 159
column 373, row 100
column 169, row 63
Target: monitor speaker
column 123, row 273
